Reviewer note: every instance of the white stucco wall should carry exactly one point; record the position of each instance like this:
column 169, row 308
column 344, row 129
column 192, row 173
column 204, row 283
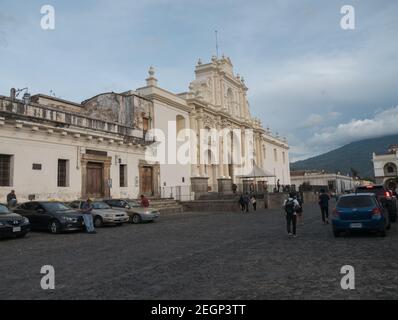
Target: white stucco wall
column 42, row 148
column 280, row 168
column 171, row 174
column 379, row 162
column 343, row 183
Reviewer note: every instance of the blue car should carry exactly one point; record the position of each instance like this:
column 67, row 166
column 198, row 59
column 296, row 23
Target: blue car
column 360, row 212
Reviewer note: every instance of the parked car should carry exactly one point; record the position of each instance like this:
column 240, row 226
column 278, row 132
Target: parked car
column 12, row 225
column 360, row 212
column 133, row 208
column 51, row 216
column 385, row 196
column 103, row 214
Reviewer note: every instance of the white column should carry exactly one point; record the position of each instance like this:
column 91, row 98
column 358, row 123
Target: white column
column 194, row 144
column 220, row 154
column 201, row 156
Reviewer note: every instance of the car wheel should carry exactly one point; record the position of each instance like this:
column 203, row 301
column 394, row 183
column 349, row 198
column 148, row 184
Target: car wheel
column 136, row 219
column 98, row 222
column 336, row 233
column 55, row 227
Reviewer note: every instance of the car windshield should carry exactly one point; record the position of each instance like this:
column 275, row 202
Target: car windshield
column 100, row 205
column 356, row 202
column 133, row 204
column 55, row 206
column 4, row 210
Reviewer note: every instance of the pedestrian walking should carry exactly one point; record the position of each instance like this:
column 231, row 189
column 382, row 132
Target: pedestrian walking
column 324, row 199
column 88, row 216
column 246, row 199
column 12, row 199
column 290, row 205
column 242, row 203
column 144, row 202
column 254, row 202
column 300, row 210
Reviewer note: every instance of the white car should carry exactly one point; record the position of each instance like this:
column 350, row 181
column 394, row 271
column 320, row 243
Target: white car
column 102, row 213
column 136, row 212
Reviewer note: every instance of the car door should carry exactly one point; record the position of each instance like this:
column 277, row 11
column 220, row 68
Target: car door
column 43, row 217
column 28, row 210
column 117, row 204
column 22, row 210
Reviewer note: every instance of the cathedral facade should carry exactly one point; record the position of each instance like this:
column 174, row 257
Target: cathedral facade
column 52, row 148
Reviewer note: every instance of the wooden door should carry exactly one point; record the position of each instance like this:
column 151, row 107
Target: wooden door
column 146, row 177
column 95, row 179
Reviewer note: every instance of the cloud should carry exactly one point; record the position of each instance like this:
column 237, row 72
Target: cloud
column 312, row 121
column 315, row 120
column 383, row 123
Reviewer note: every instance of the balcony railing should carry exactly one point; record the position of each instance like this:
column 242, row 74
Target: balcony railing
column 63, row 119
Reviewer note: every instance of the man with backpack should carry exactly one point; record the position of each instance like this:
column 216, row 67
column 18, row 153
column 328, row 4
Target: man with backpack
column 291, row 205
column 324, row 205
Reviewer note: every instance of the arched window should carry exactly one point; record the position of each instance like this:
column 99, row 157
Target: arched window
column 390, row 169
column 209, row 156
column 180, row 122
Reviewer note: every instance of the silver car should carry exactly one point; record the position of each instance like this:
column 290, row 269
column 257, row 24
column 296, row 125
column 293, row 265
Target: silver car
column 102, row 213
column 133, row 208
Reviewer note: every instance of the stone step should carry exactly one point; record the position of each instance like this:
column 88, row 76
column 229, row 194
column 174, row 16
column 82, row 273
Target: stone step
column 166, row 206
column 217, row 196
column 169, row 210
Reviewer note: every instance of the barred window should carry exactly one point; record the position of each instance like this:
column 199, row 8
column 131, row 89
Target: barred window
column 123, row 171
column 5, row 170
column 62, row 173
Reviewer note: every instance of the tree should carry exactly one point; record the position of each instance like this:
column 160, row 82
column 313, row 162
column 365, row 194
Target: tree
column 355, row 173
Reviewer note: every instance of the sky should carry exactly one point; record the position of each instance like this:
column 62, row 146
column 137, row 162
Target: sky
column 310, row 80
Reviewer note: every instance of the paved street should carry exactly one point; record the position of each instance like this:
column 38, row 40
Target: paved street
column 202, row 256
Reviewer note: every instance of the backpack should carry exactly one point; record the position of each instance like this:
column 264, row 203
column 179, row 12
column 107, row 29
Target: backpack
column 290, row 207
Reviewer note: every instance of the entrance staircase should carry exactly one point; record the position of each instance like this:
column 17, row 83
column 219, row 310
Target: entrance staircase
column 166, row 206
column 217, row 196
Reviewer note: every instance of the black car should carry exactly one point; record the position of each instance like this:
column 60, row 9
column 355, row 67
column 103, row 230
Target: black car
column 11, row 224
column 385, row 197
column 55, row 217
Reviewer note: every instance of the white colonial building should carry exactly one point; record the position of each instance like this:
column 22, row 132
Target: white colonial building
column 317, row 180
column 385, row 167
column 53, row 148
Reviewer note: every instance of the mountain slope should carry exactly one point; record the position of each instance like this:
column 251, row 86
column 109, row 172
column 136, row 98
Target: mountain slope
column 357, row 155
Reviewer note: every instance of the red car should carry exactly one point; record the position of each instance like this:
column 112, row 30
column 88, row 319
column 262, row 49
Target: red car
column 385, row 196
